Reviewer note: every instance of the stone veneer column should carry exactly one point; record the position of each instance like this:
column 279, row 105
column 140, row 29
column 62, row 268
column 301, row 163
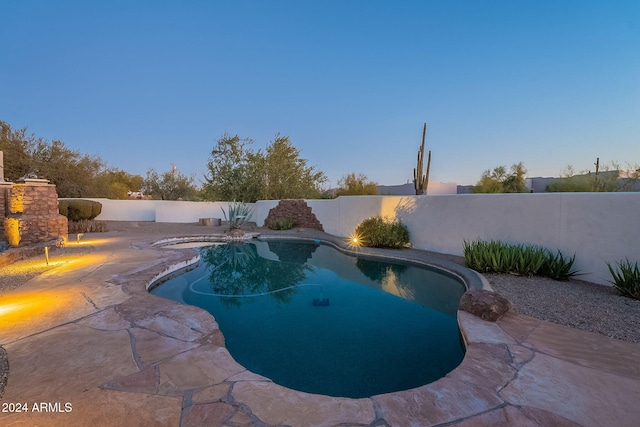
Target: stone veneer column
column 31, row 213
column 5, row 189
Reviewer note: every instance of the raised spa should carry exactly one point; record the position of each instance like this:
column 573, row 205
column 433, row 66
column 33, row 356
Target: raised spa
column 314, row 319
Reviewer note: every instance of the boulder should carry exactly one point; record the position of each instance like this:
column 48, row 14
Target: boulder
column 484, row 304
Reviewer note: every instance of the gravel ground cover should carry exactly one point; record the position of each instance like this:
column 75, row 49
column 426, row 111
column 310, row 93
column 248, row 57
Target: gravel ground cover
column 575, row 303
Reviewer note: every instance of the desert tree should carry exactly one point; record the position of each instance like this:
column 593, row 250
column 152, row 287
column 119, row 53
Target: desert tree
column 114, row 183
column 229, row 169
column 354, row 185
column 236, row 173
column 499, row 180
column 169, row 185
column 72, row 172
column 287, row 175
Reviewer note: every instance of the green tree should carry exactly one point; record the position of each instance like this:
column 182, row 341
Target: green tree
column 353, row 185
column 170, row 185
column 238, row 174
column 114, row 183
column 499, row 180
column 515, row 181
column 16, row 146
column 73, row 173
column 288, row 176
column 229, row 170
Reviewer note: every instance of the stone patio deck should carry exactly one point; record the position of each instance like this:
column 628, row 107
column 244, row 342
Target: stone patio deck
column 86, row 340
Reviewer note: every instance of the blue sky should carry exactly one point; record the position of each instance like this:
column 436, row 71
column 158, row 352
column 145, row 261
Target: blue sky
column 148, row 83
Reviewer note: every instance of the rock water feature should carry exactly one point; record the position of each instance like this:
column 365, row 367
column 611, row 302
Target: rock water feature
column 295, row 210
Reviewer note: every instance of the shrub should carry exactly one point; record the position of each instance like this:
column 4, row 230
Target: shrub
column 378, row 232
column 78, row 209
column 87, row 226
column 626, row 279
column 530, row 260
column 281, row 223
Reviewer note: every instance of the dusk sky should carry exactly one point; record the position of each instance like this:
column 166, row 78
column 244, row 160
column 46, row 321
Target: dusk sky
column 144, row 84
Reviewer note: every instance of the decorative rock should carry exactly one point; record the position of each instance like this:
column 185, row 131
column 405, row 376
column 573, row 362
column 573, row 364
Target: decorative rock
column 484, row 304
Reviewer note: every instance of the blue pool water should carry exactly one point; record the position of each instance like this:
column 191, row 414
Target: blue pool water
column 316, row 320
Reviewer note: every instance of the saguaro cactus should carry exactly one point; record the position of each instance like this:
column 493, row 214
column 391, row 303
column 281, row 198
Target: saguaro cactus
column 420, row 180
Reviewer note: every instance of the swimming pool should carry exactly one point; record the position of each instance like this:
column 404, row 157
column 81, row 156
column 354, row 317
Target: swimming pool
column 314, row 319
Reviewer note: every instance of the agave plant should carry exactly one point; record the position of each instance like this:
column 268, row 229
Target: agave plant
column 498, row 257
column 239, row 213
column 529, row 260
column 626, row 278
column 558, row 267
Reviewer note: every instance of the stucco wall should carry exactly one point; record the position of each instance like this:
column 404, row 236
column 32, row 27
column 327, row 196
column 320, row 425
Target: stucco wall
column 173, row 211
column 597, row 227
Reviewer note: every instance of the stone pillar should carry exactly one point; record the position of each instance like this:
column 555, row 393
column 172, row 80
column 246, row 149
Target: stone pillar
column 31, row 213
column 5, row 190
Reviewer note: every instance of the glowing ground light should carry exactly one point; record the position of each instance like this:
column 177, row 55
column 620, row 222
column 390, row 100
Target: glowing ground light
column 7, row 308
column 83, row 241
column 355, row 239
column 24, row 307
